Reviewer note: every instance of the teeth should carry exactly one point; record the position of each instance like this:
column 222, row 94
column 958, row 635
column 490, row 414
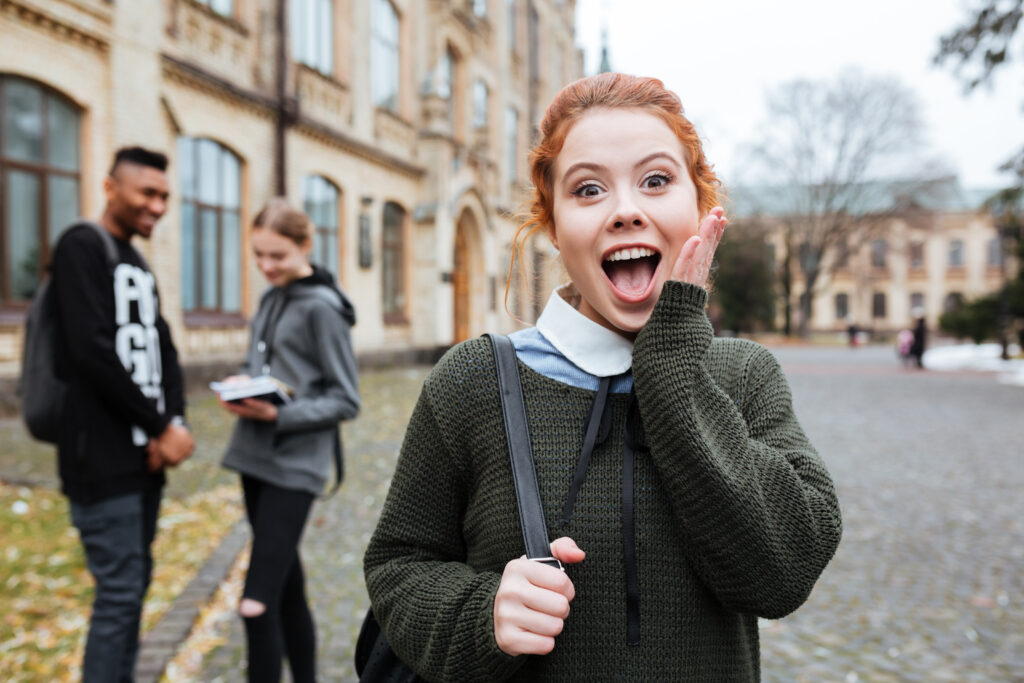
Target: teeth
column 627, row 254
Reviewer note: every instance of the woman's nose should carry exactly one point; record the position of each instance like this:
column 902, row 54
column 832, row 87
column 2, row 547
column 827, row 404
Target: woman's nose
column 628, row 213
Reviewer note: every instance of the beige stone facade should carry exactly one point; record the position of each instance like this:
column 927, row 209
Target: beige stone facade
column 415, row 114
column 895, row 273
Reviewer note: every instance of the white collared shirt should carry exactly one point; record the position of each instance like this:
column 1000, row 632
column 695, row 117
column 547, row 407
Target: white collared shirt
column 569, row 347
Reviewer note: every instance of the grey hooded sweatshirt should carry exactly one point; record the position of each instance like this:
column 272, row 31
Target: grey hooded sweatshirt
column 304, row 327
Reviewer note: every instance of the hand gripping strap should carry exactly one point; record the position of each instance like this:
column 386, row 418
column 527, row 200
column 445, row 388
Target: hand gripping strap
column 531, row 513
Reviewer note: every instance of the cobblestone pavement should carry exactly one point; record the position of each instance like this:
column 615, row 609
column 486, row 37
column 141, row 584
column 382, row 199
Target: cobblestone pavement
column 927, row 584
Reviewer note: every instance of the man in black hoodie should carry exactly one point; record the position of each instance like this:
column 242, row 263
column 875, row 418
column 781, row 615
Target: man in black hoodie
column 125, row 404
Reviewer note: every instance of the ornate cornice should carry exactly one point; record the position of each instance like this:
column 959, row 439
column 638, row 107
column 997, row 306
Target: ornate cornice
column 183, row 72
column 59, row 27
column 358, row 148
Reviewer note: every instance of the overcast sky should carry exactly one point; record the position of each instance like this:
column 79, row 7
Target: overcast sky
column 720, row 56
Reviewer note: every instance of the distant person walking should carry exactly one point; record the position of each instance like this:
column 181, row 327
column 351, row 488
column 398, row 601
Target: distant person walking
column 284, row 453
column 918, row 347
column 125, row 404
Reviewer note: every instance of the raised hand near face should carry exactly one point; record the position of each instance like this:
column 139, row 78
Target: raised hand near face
column 698, row 252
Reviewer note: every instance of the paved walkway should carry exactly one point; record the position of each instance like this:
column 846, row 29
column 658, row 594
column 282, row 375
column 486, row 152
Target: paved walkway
column 927, row 584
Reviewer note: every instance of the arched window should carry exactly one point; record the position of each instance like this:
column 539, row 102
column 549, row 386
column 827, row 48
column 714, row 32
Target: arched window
column 39, row 181
column 392, row 258
column 312, row 29
column 320, row 202
column 384, row 55
column 211, row 239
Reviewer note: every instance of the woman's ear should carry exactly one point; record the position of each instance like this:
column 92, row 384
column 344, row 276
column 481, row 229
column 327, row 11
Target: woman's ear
column 552, row 236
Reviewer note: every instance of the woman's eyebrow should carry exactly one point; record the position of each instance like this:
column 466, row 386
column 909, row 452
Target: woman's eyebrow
column 657, row 155
column 583, row 165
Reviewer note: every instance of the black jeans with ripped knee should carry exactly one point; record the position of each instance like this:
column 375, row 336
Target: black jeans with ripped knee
column 276, row 580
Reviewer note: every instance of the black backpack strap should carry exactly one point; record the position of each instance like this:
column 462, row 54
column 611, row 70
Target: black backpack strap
column 109, row 246
column 531, row 512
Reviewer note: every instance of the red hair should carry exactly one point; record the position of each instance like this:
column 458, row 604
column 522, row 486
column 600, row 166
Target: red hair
column 611, row 91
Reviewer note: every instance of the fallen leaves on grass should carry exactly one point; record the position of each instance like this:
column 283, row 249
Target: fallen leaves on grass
column 46, row 597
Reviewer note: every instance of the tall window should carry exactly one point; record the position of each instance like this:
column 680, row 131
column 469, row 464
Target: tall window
column 320, row 202
column 878, row 305
column 842, row 254
column 446, row 82
column 511, row 138
column 225, row 7
column 393, row 263
column 312, row 36
column 480, row 96
column 878, row 249
column 211, row 258
column 916, row 302
column 384, row 55
column 995, row 252
column 956, row 254
column 513, row 25
column 953, row 302
column 842, row 306
column 39, row 179
column 479, row 7
column 916, row 255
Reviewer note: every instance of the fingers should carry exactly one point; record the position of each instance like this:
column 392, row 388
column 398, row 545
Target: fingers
column 532, row 602
column 698, row 253
column 566, row 550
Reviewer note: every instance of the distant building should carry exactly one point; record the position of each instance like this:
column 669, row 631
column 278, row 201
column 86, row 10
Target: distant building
column 943, row 252
column 402, row 127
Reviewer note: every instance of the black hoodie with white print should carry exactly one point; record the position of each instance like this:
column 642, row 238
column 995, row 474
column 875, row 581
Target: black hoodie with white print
column 124, row 381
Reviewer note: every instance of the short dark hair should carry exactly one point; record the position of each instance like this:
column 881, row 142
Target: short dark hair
column 140, row 156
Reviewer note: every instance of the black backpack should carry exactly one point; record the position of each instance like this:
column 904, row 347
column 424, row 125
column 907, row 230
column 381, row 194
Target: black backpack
column 41, row 390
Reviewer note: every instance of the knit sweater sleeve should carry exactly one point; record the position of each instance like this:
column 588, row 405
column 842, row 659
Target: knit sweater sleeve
column 435, row 609
column 753, row 499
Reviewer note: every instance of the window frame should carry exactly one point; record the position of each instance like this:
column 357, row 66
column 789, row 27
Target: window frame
column 844, row 299
column 392, row 241
column 385, row 99
column 957, row 247
column 879, row 254
column 323, row 56
column 44, row 171
column 879, row 306
column 323, row 232
column 199, row 314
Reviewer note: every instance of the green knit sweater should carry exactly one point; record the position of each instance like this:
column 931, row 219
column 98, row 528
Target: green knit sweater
column 735, row 514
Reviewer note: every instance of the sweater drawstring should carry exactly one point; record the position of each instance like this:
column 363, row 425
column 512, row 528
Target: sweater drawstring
column 598, row 427
column 629, row 449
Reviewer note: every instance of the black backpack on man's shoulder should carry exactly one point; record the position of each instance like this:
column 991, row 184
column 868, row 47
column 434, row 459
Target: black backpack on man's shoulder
column 41, row 390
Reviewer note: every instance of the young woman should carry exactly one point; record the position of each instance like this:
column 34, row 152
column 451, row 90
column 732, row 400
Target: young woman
column 696, row 506
column 286, row 453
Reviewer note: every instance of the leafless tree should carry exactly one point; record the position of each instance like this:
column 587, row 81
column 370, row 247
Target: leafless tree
column 986, row 42
column 834, row 160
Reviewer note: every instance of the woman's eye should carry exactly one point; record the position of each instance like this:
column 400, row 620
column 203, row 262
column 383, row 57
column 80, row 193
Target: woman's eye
column 657, row 180
column 589, row 190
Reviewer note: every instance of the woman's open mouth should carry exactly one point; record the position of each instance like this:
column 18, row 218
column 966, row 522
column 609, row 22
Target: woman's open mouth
column 631, row 270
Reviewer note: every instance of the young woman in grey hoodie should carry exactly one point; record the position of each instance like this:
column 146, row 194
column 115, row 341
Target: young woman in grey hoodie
column 285, row 452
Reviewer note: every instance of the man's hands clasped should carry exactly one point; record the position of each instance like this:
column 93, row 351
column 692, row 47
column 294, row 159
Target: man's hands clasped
column 171, row 448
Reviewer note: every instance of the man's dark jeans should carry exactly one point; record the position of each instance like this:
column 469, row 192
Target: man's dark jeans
column 117, row 533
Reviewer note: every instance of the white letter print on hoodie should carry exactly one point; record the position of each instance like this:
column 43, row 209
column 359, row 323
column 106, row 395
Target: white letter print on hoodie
column 137, row 340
